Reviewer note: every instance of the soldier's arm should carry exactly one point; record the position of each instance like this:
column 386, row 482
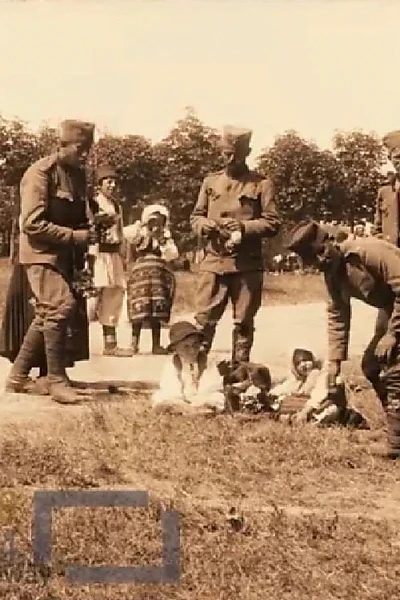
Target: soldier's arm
column 339, row 319
column 391, row 271
column 198, row 218
column 269, row 223
column 34, row 210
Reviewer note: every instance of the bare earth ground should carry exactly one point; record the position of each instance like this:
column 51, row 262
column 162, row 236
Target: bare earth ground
column 320, row 509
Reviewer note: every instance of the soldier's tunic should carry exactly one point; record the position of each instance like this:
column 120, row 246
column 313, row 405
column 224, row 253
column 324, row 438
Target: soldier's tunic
column 235, row 275
column 372, row 274
column 387, row 218
column 53, row 204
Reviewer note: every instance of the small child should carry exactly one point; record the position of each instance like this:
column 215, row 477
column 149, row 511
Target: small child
column 308, row 380
column 187, row 382
column 151, row 283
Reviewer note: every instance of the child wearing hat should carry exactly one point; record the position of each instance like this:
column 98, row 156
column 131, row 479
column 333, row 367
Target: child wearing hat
column 108, row 262
column 187, row 381
column 151, row 283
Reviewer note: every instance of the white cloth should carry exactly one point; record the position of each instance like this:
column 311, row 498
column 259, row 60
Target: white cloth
column 137, row 231
column 108, row 270
column 317, row 406
column 206, row 390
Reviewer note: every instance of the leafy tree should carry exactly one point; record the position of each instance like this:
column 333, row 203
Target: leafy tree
column 306, row 178
column 360, row 156
column 189, row 152
column 132, row 157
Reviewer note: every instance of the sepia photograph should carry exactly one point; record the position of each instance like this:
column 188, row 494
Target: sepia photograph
column 199, row 300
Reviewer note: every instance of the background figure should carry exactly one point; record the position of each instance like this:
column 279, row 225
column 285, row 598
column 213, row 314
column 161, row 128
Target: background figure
column 19, row 309
column 386, row 218
column 151, row 283
column 234, row 211
column 108, row 262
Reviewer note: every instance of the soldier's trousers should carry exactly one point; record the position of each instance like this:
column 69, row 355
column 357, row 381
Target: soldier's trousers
column 245, row 292
column 54, row 306
column 387, row 383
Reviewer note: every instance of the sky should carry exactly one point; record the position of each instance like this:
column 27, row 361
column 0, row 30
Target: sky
column 133, row 66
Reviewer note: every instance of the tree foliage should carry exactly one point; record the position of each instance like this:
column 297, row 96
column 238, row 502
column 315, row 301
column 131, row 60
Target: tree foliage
column 338, row 184
column 186, row 156
column 360, row 156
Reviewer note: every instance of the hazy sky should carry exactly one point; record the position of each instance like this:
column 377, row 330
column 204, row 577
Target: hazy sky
column 133, row 66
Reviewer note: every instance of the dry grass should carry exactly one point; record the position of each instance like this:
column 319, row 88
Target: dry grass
column 319, row 507
column 308, row 498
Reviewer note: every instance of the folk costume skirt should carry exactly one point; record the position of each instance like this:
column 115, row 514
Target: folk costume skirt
column 19, row 312
column 150, row 290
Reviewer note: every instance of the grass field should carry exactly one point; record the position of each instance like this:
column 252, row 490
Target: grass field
column 319, row 510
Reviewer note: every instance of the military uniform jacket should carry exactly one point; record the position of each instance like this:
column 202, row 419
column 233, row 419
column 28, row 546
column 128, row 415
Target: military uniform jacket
column 386, row 219
column 53, row 204
column 248, row 199
column 371, row 273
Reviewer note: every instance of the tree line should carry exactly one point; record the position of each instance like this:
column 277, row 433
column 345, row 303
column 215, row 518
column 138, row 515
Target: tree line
column 337, row 184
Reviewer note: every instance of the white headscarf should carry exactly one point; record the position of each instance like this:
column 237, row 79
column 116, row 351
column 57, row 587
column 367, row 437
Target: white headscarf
column 151, row 209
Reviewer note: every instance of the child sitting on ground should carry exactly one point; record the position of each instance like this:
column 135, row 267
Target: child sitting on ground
column 191, row 381
column 307, row 383
column 187, row 382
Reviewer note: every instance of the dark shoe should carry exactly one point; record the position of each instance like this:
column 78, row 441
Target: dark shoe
column 159, row 351
column 392, row 455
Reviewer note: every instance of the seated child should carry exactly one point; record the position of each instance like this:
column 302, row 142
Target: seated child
column 187, row 381
column 308, row 380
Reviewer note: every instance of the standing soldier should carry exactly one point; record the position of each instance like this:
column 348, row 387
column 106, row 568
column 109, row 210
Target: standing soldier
column 387, row 218
column 367, row 269
column 234, row 211
column 108, row 258
column 54, row 236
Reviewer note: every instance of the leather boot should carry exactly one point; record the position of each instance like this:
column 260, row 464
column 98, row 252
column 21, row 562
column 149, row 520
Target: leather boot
column 208, row 331
column 156, row 339
column 110, row 344
column 393, row 425
column 242, row 342
column 60, row 387
column 18, row 380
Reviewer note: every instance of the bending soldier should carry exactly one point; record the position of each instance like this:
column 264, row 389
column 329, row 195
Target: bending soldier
column 234, row 211
column 367, row 269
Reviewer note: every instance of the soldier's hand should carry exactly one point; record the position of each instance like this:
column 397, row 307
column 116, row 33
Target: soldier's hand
column 208, row 226
column 230, row 224
column 385, row 347
column 333, row 373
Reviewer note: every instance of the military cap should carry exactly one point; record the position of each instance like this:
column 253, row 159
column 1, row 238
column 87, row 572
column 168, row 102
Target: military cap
column 105, row 171
column 306, row 238
column 234, row 136
column 77, row 132
column 392, row 140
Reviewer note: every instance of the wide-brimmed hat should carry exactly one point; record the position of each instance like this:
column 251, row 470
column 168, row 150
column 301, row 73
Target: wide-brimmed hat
column 181, row 330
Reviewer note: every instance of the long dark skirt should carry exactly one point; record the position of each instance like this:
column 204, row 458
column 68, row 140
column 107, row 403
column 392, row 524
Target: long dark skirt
column 150, row 290
column 19, row 312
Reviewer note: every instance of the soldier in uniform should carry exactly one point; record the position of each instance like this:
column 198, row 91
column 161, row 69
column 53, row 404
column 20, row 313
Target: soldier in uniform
column 54, row 236
column 367, row 269
column 387, row 216
column 234, row 211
